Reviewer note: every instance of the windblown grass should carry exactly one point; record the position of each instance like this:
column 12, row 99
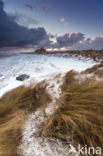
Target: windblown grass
column 95, row 55
column 96, row 70
column 79, row 119
column 14, row 108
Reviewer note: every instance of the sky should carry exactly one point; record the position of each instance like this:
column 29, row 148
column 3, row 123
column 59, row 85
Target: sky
column 72, row 24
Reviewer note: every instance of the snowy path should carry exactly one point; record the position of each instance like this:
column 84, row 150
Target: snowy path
column 39, row 67
column 32, row 143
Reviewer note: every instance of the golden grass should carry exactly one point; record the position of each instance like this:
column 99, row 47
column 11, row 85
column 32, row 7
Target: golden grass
column 80, row 115
column 97, row 70
column 14, row 108
column 96, row 55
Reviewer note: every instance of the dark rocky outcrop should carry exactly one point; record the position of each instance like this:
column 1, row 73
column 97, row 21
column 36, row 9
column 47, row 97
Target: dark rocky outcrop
column 41, row 50
column 22, row 77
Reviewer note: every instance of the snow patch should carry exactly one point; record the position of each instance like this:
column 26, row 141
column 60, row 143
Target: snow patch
column 38, row 67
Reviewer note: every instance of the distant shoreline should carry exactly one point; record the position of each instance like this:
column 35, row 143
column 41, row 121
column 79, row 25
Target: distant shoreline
column 96, row 55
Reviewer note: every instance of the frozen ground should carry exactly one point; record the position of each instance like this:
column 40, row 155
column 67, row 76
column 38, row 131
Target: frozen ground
column 39, row 67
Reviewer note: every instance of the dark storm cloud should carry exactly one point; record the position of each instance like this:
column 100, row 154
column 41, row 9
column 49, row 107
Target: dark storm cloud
column 97, row 43
column 29, row 6
column 23, row 20
column 68, row 40
column 12, row 34
column 77, row 41
column 41, row 8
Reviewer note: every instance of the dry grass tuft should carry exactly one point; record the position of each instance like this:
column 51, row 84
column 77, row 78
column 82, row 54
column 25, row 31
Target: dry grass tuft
column 80, row 115
column 97, row 70
column 14, row 108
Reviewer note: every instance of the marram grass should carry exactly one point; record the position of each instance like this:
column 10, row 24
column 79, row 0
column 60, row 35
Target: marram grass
column 79, row 119
column 14, row 109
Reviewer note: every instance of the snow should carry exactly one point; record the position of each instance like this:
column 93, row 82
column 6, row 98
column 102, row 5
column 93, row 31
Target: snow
column 38, row 67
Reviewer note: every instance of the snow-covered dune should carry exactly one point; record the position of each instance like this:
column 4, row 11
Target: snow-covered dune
column 39, row 67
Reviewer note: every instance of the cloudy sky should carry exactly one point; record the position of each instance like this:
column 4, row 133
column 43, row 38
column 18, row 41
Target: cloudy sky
column 72, row 24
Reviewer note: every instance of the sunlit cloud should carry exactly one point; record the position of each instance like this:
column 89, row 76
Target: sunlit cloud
column 62, row 19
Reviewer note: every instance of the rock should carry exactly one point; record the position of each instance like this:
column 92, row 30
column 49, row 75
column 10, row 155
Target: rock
column 41, row 50
column 22, row 77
